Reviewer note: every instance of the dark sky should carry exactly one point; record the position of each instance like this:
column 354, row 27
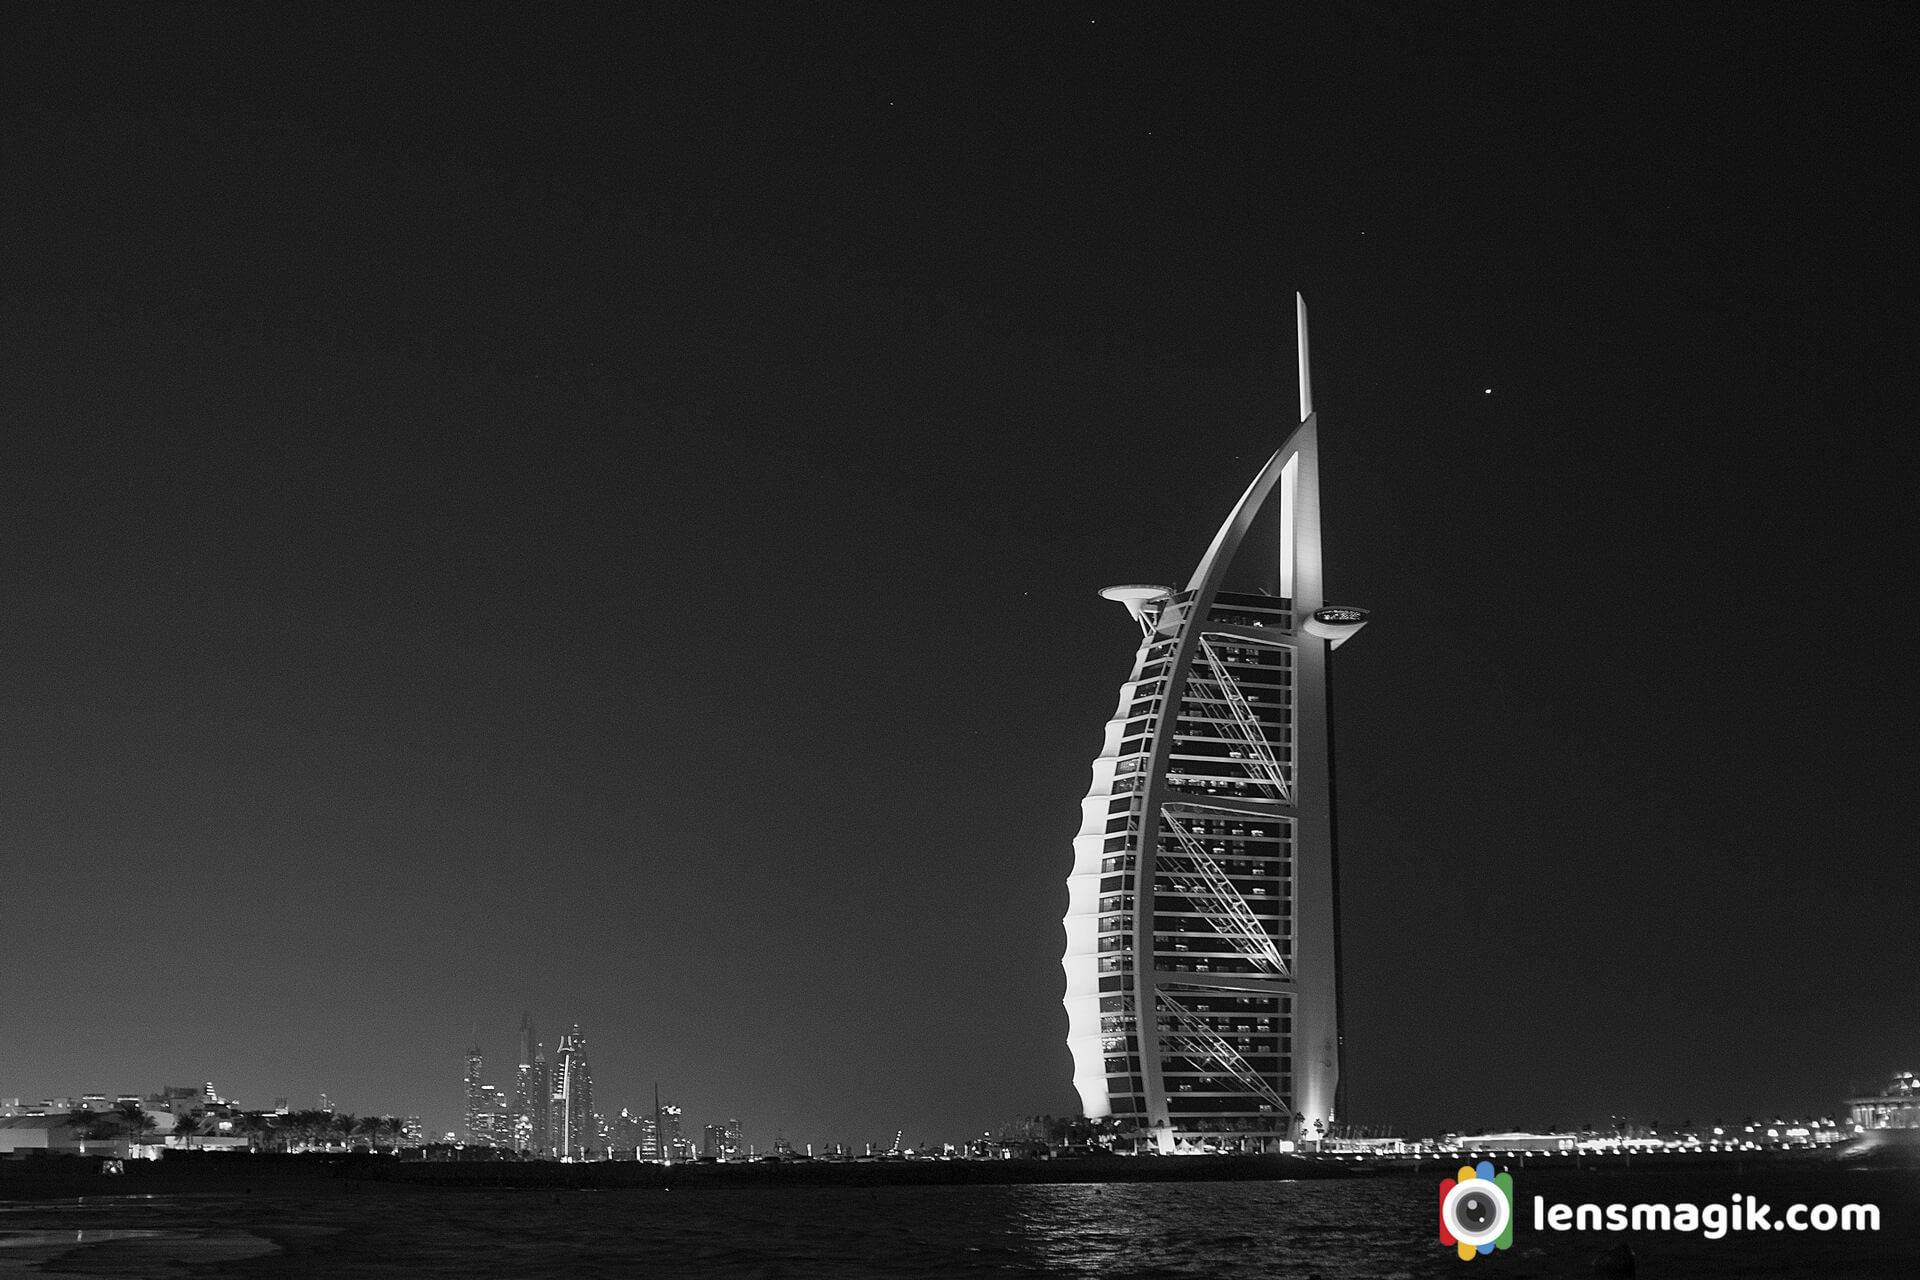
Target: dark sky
column 534, row 509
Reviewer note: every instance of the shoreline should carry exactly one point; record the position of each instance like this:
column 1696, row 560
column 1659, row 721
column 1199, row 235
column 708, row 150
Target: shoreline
column 57, row 1177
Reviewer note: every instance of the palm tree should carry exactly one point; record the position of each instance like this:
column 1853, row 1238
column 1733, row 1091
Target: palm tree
column 304, row 1128
column 256, row 1128
column 135, row 1123
column 390, row 1131
column 370, row 1128
column 89, row 1125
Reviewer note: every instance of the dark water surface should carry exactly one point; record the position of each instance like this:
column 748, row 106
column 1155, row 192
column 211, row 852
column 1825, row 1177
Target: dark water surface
column 1373, row 1228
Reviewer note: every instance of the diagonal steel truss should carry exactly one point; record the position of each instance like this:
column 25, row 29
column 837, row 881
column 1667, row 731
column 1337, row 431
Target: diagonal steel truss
column 1190, row 1038
column 1243, row 725
column 1213, row 896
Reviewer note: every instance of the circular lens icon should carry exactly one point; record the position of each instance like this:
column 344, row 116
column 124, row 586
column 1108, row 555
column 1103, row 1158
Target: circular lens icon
column 1476, row 1211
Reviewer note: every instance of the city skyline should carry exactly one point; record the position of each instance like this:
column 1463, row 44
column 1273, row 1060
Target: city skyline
column 552, row 1114
column 225, row 1124
column 598, row 511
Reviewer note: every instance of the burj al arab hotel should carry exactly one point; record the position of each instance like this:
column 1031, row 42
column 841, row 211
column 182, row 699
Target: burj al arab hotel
column 1203, row 946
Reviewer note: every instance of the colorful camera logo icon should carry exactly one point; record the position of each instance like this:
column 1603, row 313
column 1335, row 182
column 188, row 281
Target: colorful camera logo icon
column 1476, row 1210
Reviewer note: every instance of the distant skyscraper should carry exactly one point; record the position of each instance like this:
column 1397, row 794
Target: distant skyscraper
column 1202, row 948
column 486, row 1109
column 474, row 1112
column 724, row 1142
column 497, row 1127
column 675, row 1143
column 576, row 1131
column 646, row 1130
column 532, row 1096
column 736, row 1142
column 630, row 1136
column 542, row 1116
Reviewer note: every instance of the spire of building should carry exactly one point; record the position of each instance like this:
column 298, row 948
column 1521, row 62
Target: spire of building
column 1306, row 377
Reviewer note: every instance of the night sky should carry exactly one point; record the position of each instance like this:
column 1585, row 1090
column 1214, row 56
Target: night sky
column 598, row 512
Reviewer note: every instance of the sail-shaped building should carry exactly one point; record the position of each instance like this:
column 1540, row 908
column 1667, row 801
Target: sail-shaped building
column 1202, row 957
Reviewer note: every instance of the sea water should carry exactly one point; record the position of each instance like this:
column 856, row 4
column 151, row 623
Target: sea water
column 1334, row 1229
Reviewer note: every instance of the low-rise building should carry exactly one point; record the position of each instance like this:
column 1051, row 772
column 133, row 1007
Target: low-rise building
column 1895, row 1107
column 39, row 1133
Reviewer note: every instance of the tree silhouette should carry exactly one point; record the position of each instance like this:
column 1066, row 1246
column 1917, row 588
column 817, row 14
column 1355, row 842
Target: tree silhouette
column 392, row 1128
column 305, row 1128
column 133, row 1120
column 374, row 1128
column 256, row 1129
column 89, row 1125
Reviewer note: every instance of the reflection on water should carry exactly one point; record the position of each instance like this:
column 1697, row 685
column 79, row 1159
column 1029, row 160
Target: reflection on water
column 1132, row 1232
column 1329, row 1229
column 109, row 1251
column 1334, row 1230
